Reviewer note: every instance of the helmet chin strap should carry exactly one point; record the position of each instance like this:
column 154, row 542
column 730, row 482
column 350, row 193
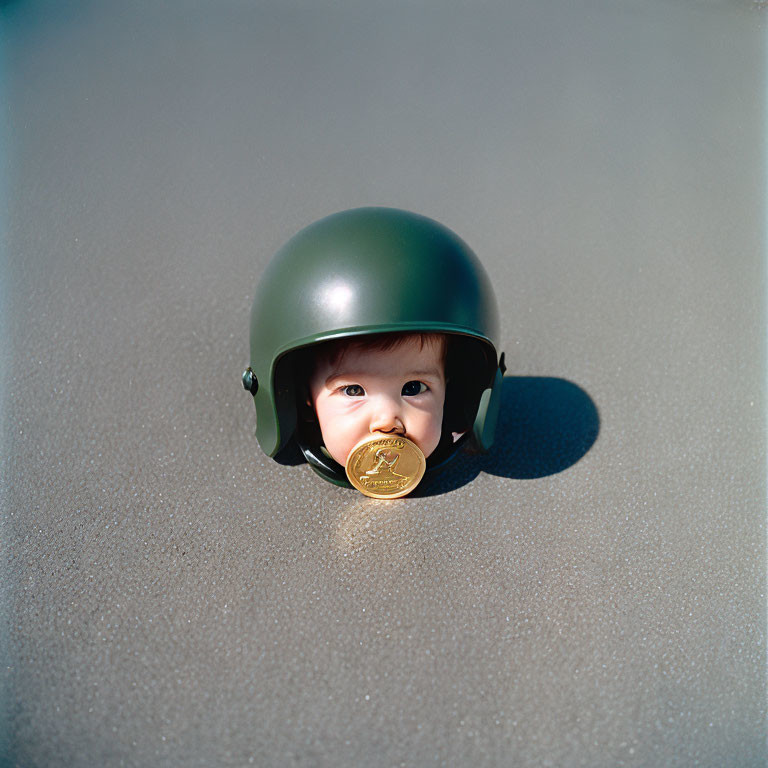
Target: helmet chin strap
column 324, row 465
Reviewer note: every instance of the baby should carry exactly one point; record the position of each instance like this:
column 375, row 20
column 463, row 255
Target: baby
column 391, row 384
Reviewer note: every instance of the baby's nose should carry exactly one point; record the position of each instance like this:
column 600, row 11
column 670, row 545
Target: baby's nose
column 386, row 418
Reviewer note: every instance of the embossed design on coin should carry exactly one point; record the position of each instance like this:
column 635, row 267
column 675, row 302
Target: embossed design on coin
column 385, row 466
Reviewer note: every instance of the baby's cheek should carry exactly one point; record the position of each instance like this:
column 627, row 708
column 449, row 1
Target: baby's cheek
column 340, row 434
column 430, row 429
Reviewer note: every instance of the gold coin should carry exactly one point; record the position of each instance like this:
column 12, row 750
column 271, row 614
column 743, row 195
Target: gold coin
column 385, row 466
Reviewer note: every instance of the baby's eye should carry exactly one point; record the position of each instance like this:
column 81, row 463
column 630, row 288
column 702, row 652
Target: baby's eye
column 353, row 390
column 411, row 388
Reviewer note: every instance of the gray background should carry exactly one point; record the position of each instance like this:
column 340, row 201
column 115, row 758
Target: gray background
column 172, row 597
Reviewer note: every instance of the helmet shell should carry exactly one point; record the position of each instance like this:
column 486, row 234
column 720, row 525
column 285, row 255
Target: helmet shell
column 362, row 271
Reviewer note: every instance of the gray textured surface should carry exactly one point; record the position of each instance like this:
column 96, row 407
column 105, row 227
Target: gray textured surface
column 171, row 597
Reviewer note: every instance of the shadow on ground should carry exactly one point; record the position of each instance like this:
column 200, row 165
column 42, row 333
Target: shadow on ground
column 545, row 426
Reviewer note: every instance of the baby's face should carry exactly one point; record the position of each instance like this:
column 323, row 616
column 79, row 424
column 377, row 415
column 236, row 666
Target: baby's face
column 396, row 391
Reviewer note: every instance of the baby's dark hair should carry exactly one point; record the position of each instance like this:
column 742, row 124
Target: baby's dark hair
column 333, row 351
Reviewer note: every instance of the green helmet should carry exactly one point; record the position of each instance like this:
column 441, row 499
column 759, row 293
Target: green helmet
column 371, row 271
